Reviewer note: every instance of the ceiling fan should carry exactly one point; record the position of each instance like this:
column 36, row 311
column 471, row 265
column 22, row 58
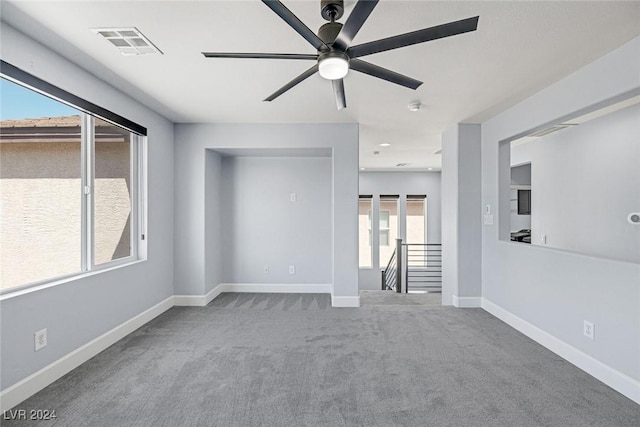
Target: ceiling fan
column 336, row 57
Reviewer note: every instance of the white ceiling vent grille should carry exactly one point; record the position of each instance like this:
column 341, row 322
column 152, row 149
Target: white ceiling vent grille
column 552, row 129
column 129, row 41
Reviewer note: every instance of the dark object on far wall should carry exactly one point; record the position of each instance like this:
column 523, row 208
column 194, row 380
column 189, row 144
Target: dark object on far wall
column 523, row 236
column 333, row 43
column 524, row 202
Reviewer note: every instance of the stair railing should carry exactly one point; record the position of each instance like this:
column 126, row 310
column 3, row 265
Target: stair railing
column 392, row 274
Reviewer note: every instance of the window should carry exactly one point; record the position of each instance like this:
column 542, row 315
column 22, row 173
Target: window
column 388, row 227
column 416, row 219
column 112, row 195
column 364, row 231
column 68, row 184
column 384, row 228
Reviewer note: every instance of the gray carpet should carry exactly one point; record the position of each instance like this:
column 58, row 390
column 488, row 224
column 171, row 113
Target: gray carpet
column 292, row 360
column 391, row 298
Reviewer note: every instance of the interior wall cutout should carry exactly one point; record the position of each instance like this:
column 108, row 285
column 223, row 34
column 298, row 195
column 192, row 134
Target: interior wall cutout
column 583, row 178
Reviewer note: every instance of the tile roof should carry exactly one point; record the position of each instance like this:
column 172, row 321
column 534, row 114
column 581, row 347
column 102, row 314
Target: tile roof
column 61, row 121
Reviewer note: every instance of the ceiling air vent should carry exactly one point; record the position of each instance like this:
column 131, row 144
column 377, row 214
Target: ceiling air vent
column 129, row 41
column 402, row 164
column 552, row 129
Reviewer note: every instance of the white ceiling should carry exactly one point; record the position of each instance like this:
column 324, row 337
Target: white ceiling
column 519, row 48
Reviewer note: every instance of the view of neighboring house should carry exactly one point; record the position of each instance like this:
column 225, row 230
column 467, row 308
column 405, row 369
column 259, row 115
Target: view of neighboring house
column 40, row 197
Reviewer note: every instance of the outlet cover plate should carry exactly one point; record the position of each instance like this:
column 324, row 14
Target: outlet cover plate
column 588, row 329
column 40, row 339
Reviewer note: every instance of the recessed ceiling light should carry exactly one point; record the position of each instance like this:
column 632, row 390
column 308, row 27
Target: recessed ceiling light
column 361, row 169
column 385, row 144
column 415, row 106
column 429, row 169
column 129, row 41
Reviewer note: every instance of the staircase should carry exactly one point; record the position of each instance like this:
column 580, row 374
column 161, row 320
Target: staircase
column 414, row 267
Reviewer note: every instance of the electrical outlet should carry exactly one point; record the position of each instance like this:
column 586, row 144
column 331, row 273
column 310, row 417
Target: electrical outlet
column 40, row 339
column 292, row 269
column 293, row 197
column 588, row 329
column 543, row 240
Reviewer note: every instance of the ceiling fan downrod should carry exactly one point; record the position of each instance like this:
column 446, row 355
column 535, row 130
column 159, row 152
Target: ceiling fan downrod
column 331, row 10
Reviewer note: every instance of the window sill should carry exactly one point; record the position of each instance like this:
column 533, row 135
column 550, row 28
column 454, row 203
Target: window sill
column 27, row 289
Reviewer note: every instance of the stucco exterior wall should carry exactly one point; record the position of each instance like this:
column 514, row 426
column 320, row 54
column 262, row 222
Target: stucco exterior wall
column 40, row 203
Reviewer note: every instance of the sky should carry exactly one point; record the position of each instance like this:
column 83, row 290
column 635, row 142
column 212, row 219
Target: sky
column 17, row 102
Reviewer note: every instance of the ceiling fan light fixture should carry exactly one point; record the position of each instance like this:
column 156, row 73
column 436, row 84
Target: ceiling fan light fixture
column 333, row 67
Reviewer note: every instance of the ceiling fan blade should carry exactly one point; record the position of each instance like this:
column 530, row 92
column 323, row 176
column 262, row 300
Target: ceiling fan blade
column 292, row 83
column 338, row 91
column 384, row 74
column 295, row 23
column 260, row 55
column 358, row 15
column 415, row 37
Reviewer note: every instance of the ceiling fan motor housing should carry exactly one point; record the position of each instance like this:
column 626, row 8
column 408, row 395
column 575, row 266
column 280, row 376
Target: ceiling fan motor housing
column 329, row 31
column 331, row 9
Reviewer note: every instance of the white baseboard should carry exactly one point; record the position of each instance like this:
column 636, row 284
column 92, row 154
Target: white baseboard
column 190, row 300
column 466, row 302
column 337, row 301
column 611, row 377
column 198, row 300
column 323, row 288
column 22, row 390
column 203, row 300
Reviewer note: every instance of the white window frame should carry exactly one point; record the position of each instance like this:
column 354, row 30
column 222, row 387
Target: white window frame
column 137, row 169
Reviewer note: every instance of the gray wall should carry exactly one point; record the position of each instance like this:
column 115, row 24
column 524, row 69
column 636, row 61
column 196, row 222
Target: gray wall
column 461, row 237
column 556, row 290
column 262, row 227
column 198, row 173
column 586, row 181
column 402, row 184
column 81, row 310
column 213, row 198
column 520, row 175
